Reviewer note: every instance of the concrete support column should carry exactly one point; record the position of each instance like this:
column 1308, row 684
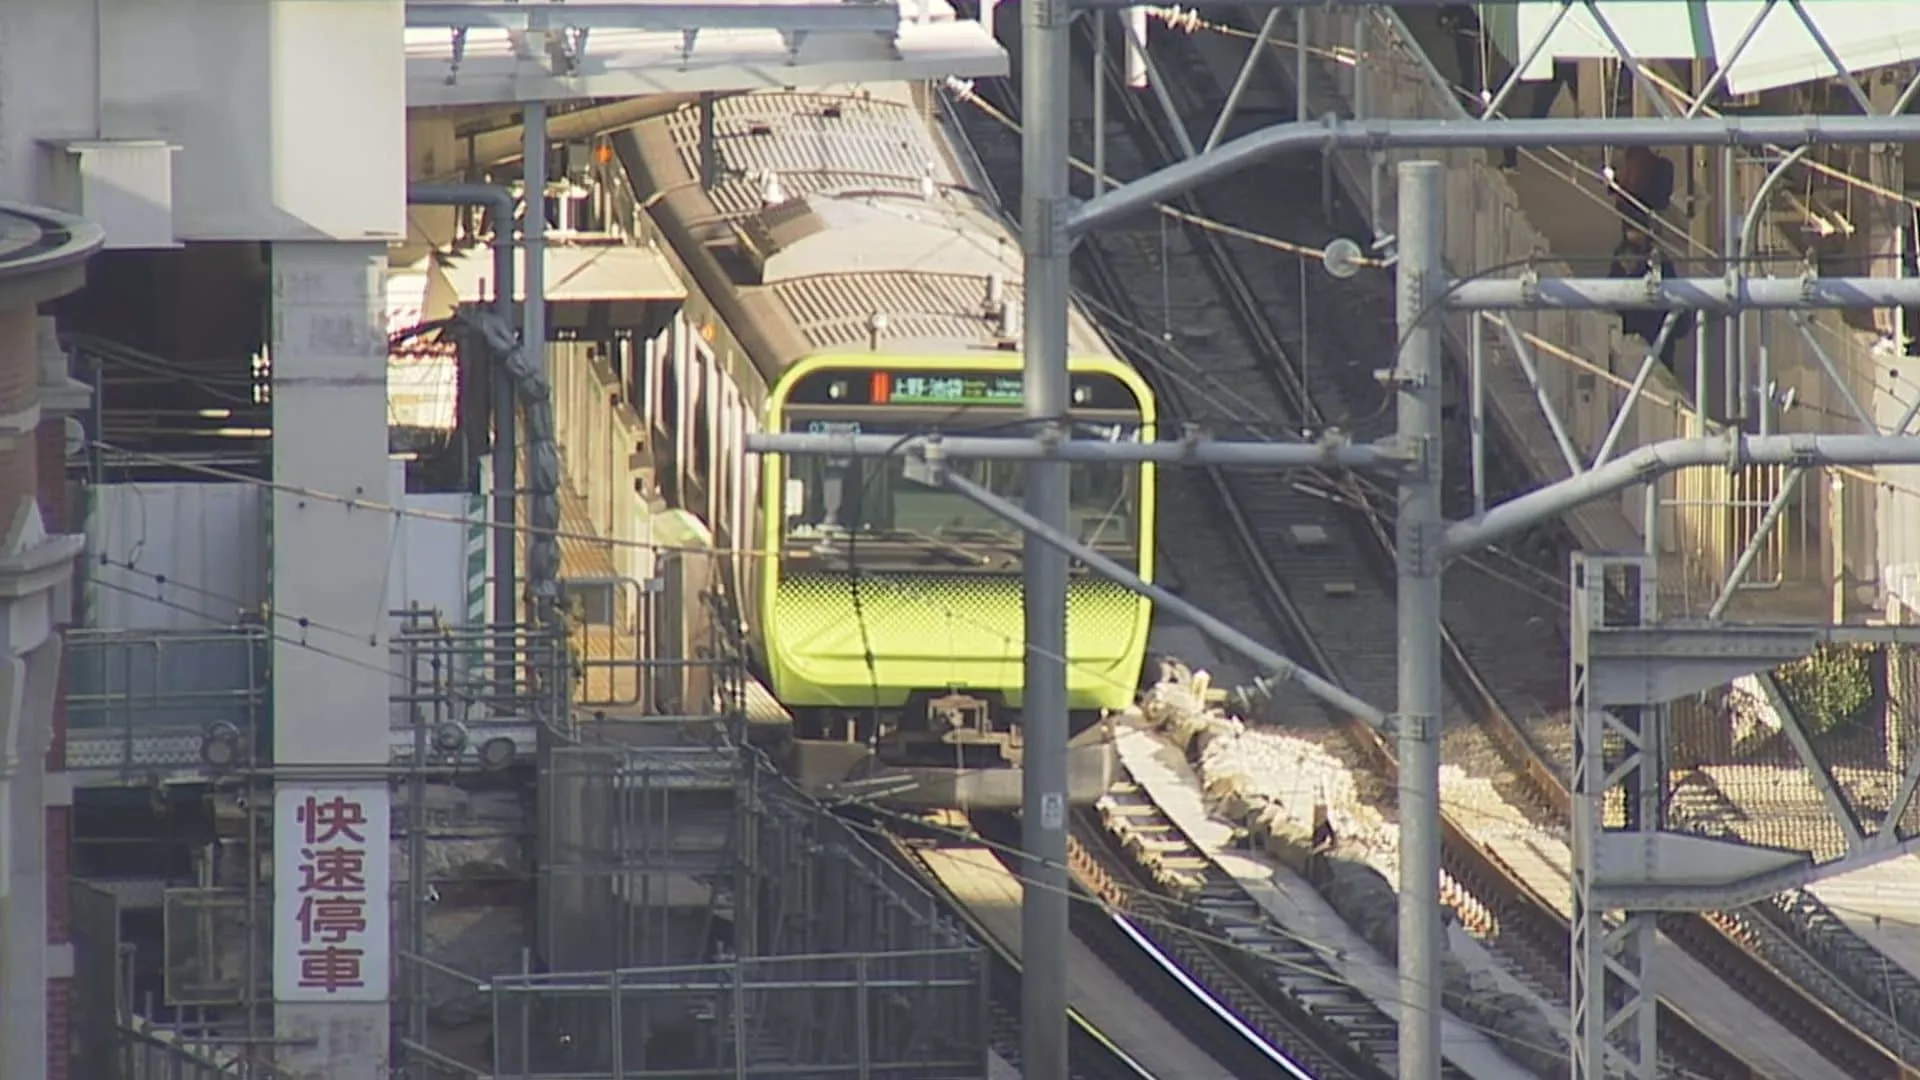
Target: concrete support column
column 331, row 921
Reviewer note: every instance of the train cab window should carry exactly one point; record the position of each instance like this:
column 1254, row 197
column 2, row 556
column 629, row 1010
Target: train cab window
column 895, row 521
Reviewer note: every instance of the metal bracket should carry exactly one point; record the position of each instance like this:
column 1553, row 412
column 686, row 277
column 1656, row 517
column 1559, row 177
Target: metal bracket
column 1421, row 726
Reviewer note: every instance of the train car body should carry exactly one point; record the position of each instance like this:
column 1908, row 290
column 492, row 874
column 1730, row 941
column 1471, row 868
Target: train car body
column 861, row 282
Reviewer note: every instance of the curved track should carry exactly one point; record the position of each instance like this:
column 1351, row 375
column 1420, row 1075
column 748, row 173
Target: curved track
column 1231, row 351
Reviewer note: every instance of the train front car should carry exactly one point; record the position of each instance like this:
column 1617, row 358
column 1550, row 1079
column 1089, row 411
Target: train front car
column 845, row 270
column 891, row 618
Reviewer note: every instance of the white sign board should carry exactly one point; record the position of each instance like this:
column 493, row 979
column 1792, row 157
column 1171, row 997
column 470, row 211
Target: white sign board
column 331, row 911
column 1053, row 810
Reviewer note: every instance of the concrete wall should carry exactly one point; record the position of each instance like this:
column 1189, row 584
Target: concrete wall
column 174, row 556
column 208, row 544
column 284, row 111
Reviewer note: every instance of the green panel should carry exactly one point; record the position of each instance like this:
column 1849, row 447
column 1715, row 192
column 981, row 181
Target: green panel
column 943, row 631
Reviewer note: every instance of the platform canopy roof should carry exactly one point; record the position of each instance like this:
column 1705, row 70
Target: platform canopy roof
column 1762, row 44
column 478, row 52
column 575, row 274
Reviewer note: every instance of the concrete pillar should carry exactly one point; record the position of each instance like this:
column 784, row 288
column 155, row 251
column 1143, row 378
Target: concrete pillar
column 331, row 912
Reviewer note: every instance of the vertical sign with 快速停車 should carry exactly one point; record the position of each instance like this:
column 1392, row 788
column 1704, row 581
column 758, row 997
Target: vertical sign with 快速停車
column 331, row 914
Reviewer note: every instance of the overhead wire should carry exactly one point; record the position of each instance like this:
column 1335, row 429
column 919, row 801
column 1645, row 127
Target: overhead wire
column 360, row 502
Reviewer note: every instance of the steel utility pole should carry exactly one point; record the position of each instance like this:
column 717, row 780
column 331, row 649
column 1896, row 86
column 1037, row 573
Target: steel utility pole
column 1046, row 60
column 1418, row 531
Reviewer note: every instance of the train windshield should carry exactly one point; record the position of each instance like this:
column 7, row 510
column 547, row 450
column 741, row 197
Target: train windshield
column 895, row 521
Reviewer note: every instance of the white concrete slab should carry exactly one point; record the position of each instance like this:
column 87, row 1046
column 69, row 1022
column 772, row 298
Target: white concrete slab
column 1882, row 905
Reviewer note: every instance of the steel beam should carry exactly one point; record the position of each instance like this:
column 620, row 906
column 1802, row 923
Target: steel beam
column 1240, row 81
column 1682, row 294
column 1545, row 400
column 1333, row 133
column 1839, row 381
column 1259, row 455
column 1730, row 450
column 1625, row 412
column 1613, row 1035
column 881, row 18
column 1624, row 668
column 1277, row 667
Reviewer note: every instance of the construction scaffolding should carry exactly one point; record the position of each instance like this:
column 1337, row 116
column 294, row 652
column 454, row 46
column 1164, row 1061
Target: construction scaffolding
column 651, row 899
column 703, row 918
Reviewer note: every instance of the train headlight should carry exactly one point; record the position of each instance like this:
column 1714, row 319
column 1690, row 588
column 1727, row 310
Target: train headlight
column 1082, row 395
column 838, row 390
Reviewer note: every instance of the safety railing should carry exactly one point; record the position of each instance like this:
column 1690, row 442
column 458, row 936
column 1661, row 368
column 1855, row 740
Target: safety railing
column 140, row 700
column 904, row 1015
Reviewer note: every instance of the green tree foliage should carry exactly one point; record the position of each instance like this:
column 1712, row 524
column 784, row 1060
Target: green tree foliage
column 1831, row 688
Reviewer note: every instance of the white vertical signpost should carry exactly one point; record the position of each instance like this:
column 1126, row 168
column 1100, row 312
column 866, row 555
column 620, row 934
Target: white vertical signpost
column 331, row 918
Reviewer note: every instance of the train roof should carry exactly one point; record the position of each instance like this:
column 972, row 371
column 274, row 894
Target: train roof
column 831, row 207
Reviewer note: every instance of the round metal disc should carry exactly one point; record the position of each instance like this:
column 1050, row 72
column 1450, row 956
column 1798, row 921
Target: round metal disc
column 496, row 753
column 450, row 737
column 218, row 752
column 1342, row 259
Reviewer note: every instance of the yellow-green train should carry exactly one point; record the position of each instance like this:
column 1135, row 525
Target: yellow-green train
column 851, row 276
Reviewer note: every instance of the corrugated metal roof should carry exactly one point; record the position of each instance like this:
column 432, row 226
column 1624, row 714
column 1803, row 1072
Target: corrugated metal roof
column 834, row 310
column 859, row 139
column 576, row 273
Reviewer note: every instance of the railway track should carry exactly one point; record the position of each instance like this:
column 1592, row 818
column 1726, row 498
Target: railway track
column 1092, row 1054
column 1233, row 346
column 1282, row 986
column 1806, row 975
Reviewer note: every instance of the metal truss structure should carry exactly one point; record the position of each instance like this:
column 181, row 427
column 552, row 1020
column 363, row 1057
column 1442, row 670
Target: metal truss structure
column 1052, row 221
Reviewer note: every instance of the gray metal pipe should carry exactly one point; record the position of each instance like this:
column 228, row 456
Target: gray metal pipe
column 1683, row 294
column 1264, row 455
column 1333, row 133
column 1046, row 44
column 1729, row 450
column 1417, row 379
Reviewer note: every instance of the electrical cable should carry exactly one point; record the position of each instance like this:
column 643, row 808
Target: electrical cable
column 355, row 502
column 265, row 631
